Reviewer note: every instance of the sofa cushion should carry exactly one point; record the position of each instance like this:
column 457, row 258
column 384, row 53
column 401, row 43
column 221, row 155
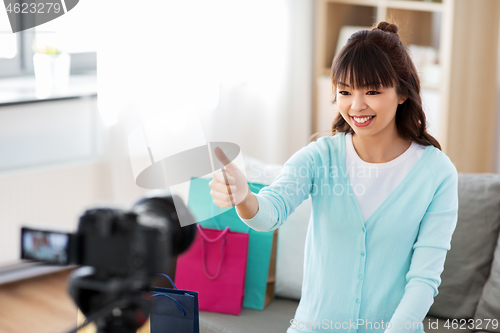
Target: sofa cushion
column 468, row 262
column 291, row 235
column 489, row 305
column 290, row 253
column 274, row 319
column 277, row 316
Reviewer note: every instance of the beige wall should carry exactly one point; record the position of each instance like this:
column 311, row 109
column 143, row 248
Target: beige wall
column 51, row 198
column 51, row 169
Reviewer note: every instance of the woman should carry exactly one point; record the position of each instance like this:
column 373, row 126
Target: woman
column 384, row 197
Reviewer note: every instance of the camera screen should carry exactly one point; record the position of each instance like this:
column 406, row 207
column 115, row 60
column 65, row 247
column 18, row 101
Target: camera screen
column 47, row 246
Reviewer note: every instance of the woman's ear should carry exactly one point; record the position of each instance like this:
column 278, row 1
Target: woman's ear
column 402, row 99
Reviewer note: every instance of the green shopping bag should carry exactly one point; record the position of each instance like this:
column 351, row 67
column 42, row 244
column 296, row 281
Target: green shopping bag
column 261, row 262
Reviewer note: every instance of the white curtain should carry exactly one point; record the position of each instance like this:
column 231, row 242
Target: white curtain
column 244, row 66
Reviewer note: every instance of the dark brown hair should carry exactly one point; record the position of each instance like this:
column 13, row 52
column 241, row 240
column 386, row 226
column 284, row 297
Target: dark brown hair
column 374, row 57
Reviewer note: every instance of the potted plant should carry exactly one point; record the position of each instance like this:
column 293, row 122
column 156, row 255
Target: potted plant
column 51, row 69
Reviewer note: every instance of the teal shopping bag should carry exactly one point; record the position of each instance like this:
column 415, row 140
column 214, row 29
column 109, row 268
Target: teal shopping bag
column 261, row 261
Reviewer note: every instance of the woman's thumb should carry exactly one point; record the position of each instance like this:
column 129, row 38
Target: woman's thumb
column 221, row 156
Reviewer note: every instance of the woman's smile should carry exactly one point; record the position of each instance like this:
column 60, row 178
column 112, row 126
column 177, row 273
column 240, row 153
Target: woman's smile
column 362, row 121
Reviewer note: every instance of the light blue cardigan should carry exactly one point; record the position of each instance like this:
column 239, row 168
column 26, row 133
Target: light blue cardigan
column 354, row 273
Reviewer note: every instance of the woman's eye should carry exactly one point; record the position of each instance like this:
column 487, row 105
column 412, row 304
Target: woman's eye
column 344, row 92
column 373, row 92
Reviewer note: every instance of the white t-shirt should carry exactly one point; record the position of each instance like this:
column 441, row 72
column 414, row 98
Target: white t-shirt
column 373, row 182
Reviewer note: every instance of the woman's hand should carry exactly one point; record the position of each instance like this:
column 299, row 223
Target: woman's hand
column 229, row 187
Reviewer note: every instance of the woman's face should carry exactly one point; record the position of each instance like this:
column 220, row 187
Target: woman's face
column 369, row 111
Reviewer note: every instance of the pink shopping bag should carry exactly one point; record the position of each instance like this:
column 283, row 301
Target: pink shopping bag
column 215, row 267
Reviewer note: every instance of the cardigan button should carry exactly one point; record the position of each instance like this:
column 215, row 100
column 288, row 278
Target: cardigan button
column 360, row 276
column 362, row 253
column 363, row 229
column 358, row 301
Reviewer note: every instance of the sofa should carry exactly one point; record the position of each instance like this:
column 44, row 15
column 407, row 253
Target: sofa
column 469, row 291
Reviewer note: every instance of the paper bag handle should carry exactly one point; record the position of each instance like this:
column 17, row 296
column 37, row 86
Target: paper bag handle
column 213, row 240
column 205, row 238
column 169, row 279
column 179, row 306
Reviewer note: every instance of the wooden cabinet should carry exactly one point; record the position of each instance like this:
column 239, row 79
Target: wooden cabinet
column 461, row 105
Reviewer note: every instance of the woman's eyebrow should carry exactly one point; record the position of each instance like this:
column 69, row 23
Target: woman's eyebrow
column 372, row 85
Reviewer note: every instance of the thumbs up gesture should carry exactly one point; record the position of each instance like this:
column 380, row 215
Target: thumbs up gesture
column 229, row 185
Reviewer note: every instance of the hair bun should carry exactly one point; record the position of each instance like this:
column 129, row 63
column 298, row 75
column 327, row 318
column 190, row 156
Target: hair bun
column 389, row 27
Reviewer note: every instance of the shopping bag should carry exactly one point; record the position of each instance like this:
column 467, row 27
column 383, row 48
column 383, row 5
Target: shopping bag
column 261, row 262
column 174, row 310
column 215, row 267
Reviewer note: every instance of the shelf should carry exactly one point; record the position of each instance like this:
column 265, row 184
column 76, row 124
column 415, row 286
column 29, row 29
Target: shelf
column 341, row 13
column 372, row 3
column 21, row 90
column 417, row 27
column 415, row 5
column 400, row 4
column 428, row 87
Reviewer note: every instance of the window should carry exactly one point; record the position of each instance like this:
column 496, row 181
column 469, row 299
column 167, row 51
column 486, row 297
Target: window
column 10, row 48
column 69, row 32
column 8, row 41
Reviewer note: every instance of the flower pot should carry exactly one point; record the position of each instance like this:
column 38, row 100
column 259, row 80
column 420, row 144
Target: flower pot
column 51, row 72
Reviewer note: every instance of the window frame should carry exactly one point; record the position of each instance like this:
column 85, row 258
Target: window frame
column 14, row 66
column 22, row 63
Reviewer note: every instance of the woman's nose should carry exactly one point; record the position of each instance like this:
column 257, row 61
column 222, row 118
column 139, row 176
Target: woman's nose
column 358, row 102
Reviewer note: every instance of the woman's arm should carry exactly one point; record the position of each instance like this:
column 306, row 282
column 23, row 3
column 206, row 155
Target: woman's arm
column 430, row 249
column 270, row 208
column 249, row 207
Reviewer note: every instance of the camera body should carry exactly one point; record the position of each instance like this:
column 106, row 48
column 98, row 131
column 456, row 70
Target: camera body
column 119, row 243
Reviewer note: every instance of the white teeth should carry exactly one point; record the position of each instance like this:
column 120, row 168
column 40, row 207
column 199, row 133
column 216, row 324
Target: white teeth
column 362, row 120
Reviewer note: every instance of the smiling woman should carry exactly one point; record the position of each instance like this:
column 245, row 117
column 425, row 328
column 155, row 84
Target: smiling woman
column 374, row 252
column 374, row 76
column 378, row 95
